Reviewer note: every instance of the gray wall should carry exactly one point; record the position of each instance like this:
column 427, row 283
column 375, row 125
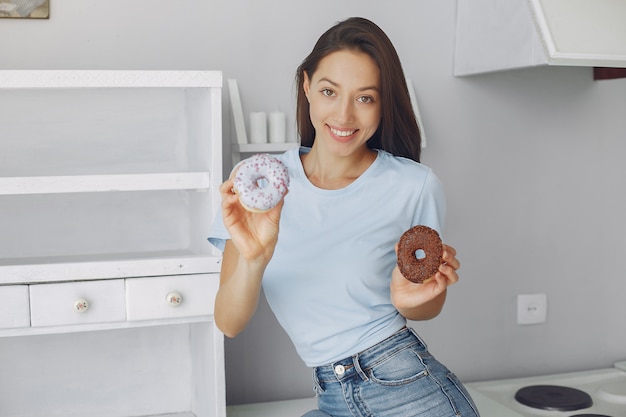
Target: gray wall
column 531, row 160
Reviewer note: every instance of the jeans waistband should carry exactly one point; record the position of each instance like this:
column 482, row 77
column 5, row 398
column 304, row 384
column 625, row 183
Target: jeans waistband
column 357, row 364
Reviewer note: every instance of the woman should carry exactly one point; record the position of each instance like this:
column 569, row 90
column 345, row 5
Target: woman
column 325, row 256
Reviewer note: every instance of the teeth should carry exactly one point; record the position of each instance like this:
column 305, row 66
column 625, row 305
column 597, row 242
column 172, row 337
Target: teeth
column 342, row 133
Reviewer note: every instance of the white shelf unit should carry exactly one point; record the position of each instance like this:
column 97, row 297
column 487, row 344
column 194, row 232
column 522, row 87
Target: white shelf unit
column 252, row 148
column 108, row 186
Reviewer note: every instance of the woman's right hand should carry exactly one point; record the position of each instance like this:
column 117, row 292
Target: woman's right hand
column 254, row 234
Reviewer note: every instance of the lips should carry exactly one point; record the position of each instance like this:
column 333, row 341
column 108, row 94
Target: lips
column 341, row 132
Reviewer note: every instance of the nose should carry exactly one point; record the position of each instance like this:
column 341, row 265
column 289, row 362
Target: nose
column 345, row 110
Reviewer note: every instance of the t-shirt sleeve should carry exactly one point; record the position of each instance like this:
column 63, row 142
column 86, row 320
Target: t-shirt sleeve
column 431, row 208
column 218, row 235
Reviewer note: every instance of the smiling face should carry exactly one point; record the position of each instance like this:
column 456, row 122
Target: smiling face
column 344, row 99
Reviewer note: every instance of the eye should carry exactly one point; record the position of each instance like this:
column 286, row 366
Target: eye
column 327, row 92
column 365, row 99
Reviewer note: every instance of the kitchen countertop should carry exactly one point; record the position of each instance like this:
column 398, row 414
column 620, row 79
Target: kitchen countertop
column 296, row 408
column 488, row 407
column 288, row 408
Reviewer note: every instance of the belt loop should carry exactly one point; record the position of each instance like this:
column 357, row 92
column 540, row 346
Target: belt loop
column 357, row 366
column 317, row 384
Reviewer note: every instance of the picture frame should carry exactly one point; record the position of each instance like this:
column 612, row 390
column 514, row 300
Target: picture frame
column 25, row 9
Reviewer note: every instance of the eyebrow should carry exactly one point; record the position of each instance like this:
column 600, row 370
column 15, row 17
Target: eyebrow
column 373, row 87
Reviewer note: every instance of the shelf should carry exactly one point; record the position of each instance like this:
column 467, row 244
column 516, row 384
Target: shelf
column 104, row 183
column 105, row 266
column 108, row 79
column 248, row 148
column 264, row 147
column 121, row 325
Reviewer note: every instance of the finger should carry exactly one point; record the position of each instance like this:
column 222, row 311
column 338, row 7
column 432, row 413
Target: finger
column 450, row 259
column 449, row 249
column 229, row 199
column 226, row 187
column 449, row 273
column 442, row 281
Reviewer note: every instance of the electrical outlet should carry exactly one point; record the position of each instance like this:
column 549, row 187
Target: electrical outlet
column 532, row 308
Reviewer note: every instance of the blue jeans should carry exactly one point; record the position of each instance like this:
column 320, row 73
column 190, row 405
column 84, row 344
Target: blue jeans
column 394, row 378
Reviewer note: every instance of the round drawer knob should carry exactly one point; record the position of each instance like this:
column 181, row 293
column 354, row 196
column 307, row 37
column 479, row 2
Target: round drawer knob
column 81, row 305
column 174, row 299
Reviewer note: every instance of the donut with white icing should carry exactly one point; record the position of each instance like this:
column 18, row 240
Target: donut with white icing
column 260, row 182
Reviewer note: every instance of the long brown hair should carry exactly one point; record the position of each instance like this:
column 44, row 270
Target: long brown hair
column 398, row 132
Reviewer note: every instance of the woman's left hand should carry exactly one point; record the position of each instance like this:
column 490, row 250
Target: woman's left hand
column 424, row 301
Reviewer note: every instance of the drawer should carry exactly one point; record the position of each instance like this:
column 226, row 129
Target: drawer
column 14, row 308
column 171, row 296
column 77, row 303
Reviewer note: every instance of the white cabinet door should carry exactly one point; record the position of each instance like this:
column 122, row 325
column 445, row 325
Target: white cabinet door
column 171, row 296
column 14, row 308
column 502, row 35
column 77, row 303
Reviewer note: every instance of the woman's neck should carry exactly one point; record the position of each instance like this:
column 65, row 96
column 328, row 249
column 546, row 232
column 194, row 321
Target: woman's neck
column 332, row 172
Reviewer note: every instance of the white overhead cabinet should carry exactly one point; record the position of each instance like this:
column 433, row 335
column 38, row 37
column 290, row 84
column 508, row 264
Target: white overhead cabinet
column 507, row 34
column 108, row 185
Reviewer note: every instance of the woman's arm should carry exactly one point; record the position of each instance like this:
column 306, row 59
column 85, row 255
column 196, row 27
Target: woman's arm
column 252, row 244
column 238, row 295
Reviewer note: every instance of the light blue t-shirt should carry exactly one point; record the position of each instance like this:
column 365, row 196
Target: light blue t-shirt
column 328, row 281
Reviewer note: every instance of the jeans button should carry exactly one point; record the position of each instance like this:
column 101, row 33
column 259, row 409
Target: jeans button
column 340, row 370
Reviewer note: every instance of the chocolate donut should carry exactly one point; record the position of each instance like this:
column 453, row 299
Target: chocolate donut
column 419, row 238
